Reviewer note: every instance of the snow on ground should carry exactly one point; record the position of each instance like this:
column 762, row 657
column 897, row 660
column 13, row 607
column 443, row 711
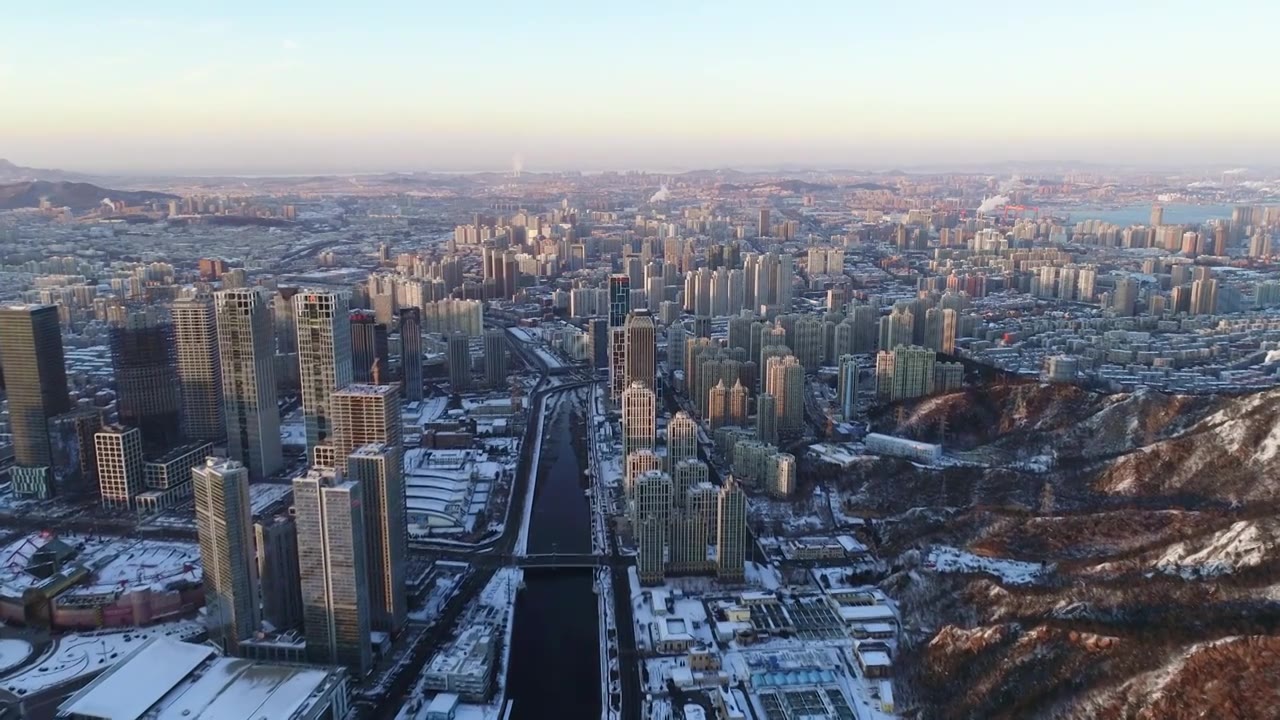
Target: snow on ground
column 944, row 559
column 13, row 652
column 549, row 404
column 83, row 654
column 1245, row 544
column 765, row 576
column 444, row 587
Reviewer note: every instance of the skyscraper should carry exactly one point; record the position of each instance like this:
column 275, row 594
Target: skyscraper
column 282, row 311
column 642, row 346
column 762, row 226
column 619, row 309
column 369, row 349
column 277, row 542
column 1126, row 296
column 686, row 474
column 767, row 418
column 638, row 463
column 495, row 357
column 781, row 475
column 329, row 513
column 378, row 469
column 940, row 328
column 143, row 358
column 120, row 471
column 36, row 382
column 897, row 328
column 224, row 523
column 639, row 418
column 717, row 413
column 411, row 354
column 847, row 386
column 247, row 354
column 731, row 525
column 907, row 372
column 785, row 382
column 365, row 414
column 199, row 368
column 619, row 299
column 682, row 439
column 651, row 514
column 459, row 361
column 324, row 357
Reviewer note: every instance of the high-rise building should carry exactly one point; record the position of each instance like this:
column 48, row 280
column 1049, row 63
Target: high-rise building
column 75, row 457
column 617, row 362
column 682, row 439
column 638, row 463
column 199, row 368
column 717, row 413
column 767, row 418
column 731, row 524
column 651, row 515
column 641, row 341
column 686, row 474
column 691, row 529
column 784, row 281
column 780, row 475
column 370, row 362
column 847, row 386
column 898, row 327
column 459, row 356
column 224, row 523
column 411, row 354
column 907, row 372
column 785, row 382
column 495, row 357
column 378, row 469
column 1126, row 296
column 762, row 225
column 148, row 397
column 324, row 357
column 121, row 475
column 246, row 350
column 1204, row 296
column 940, row 329
column 277, row 542
column 365, row 414
column 333, row 566
column 619, row 299
column 639, row 418
column 284, row 315
column 36, row 383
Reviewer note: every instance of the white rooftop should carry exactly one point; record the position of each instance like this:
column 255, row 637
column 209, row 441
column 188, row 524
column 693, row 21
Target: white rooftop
column 166, row 679
column 159, row 664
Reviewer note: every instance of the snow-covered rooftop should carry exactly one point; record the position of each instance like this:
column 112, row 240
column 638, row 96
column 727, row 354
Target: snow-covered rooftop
column 167, row 679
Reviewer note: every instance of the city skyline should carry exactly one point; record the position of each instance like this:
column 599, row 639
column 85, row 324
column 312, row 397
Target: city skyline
column 399, row 88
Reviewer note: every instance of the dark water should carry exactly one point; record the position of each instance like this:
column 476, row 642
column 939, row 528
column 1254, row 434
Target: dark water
column 555, row 646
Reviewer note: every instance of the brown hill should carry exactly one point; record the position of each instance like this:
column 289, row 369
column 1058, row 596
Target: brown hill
column 75, row 195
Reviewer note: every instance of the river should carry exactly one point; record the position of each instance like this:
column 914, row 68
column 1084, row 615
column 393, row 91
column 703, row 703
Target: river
column 555, row 645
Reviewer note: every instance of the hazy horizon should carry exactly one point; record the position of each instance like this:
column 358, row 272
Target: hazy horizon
column 142, row 88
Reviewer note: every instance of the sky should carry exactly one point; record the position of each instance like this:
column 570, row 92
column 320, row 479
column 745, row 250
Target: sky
column 320, row 86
